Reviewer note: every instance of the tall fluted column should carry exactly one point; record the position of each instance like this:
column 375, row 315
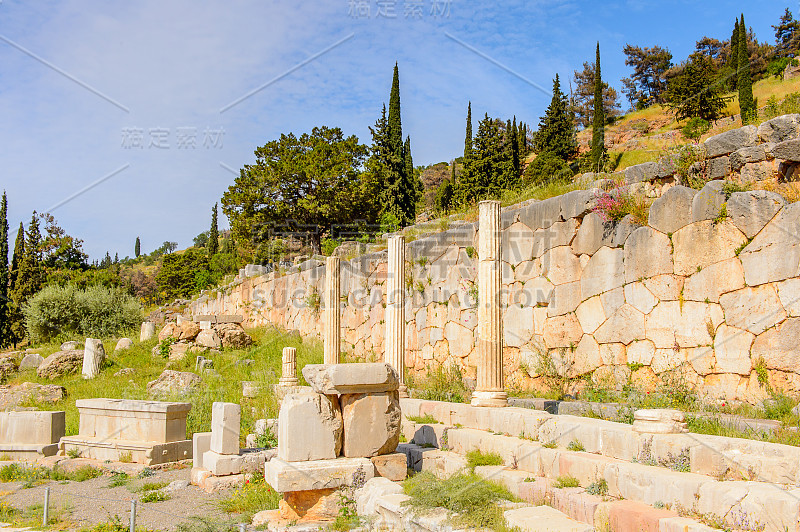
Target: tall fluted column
column 289, row 367
column 395, row 353
column 332, row 316
column 490, row 390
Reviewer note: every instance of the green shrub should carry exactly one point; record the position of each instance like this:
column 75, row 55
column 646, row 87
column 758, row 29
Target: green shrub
column 427, row 419
column 97, row 311
column 253, row 497
column 154, row 496
column 694, row 128
column 546, row 167
column 566, row 481
column 440, row 384
column 476, row 458
column 599, row 487
column 575, row 445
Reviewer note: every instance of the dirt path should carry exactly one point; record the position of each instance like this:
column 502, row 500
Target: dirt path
column 87, row 503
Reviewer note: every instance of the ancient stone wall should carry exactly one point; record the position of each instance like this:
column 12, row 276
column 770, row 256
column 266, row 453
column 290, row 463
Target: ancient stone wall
column 706, row 293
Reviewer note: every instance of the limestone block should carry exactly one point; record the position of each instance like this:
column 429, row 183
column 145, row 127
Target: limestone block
column 649, row 485
column 188, row 330
column 612, row 300
column 759, row 504
column 93, row 357
column 703, row 243
column 788, row 293
column 647, row 253
column 622, row 231
column 516, row 243
column 682, row 524
column 565, row 298
column 778, row 129
column 714, row 280
column 536, row 291
column 645, row 172
column 743, row 156
column 148, row 331
column 665, row 287
column 31, row 361
column 788, row 150
column 562, row 331
column 778, row 346
column 208, row 338
column 718, row 167
column 592, row 234
column 460, row 339
column 201, row 442
column 317, row 474
column 750, row 211
column 225, row 423
column 560, row 265
column 558, row 234
column 686, row 325
column 774, row 254
column 708, row 202
column 590, row 314
column 672, row 210
column 625, row 325
column 221, row 465
column 732, row 350
column 730, row 141
column 754, row 309
column 371, row 424
column 541, row 214
column 635, row 516
column 351, row 378
column 123, row 343
column 701, row 359
column 586, row 357
column 577, row 203
column 171, row 382
column 639, row 297
column 309, row 428
column 641, row 352
column 375, row 488
column 604, row 272
column 212, row 484
column 30, row 428
column 198, row 475
column 543, row 519
column 393, row 466
column 517, row 325
column 659, row 421
column 170, row 330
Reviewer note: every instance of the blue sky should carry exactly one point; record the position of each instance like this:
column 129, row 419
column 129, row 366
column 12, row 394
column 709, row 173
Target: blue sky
column 117, row 116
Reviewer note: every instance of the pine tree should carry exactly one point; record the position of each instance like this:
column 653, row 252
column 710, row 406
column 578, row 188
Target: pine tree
column 556, row 130
column 468, row 136
column 213, row 234
column 489, row 171
column 747, row 105
column 598, row 153
column 137, row 248
column 733, row 59
column 4, row 300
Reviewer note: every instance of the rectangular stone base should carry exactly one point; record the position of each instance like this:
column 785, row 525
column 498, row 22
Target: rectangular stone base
column 392, row 466
column 222, row 464
column 312, row 505
column 317, row 474
column 147, row 453
column 33, row 451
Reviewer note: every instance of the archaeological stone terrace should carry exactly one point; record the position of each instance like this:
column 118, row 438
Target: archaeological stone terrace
column 710, row 286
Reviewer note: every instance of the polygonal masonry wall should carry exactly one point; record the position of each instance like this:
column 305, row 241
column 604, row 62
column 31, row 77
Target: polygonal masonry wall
column 711, row 296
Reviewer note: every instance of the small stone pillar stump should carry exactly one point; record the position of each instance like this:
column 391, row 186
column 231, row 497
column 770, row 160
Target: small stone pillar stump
column 490, row 390
column 93, row 357
column 147, row 331
column 332, row 349
column 395, row 310
column 289, row 367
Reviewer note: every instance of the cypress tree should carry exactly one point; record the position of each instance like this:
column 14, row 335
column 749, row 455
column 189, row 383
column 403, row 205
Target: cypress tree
column 556, row 130
column 599, row 118
column 515, row 147
column 4, row 329
column 16, row 259
column 468, row 137
column 747, row 106
column 733, row 59
column 213, row 234
column 522, row 142
column 400, row 189
column 15, row 328
column 137, row 248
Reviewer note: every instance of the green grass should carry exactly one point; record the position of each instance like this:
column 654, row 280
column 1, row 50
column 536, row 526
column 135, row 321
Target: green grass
column 151, row 486
column 476, row 457
column 427, row 419
column 265, row 352
column 33, row 475
column 154, row 496
column 118, row 479
column 32, row 515
column 115, row 524
column 439, row 384
column 254, row 497
column 575, row 445
column 473, row 499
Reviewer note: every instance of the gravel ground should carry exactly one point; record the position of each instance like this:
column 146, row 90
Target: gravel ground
column 88, row 503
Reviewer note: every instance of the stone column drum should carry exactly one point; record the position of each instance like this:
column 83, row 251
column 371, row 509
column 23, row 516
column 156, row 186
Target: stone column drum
column 147, row 331
column 490, row 390
column 93, row 357
column 395, row 310
column 332, row 347
column 289, row 367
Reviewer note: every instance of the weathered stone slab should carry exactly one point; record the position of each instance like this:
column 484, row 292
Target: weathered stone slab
column 778, row 346
column 221, row 465
column 788, row 150
column 31, row 361
column 543, row 519
column 148, row 331
column 732, row 350
column 774, row 254
column 592, row 234
column 750, row 211
column 778, row 129
column 707, row 203
column 309, row 427
column 317, row 474
column 560, row 265
column 703, row 243
column 371, row 424
column 730, row 141
column 61, row 363
column 393, row 466
column 647, row 253
column 754, row 309
column 604, row 272
column 659, row 421
column 351, row 378
column 225, row 422
column 719, row 167
column 743, row 156
column 625, row 325
column 672, row 210
column 201, row 442
column 714, row 280
column 30, row 434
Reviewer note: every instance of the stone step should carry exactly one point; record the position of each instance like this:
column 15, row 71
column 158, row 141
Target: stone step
column 543, row 519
